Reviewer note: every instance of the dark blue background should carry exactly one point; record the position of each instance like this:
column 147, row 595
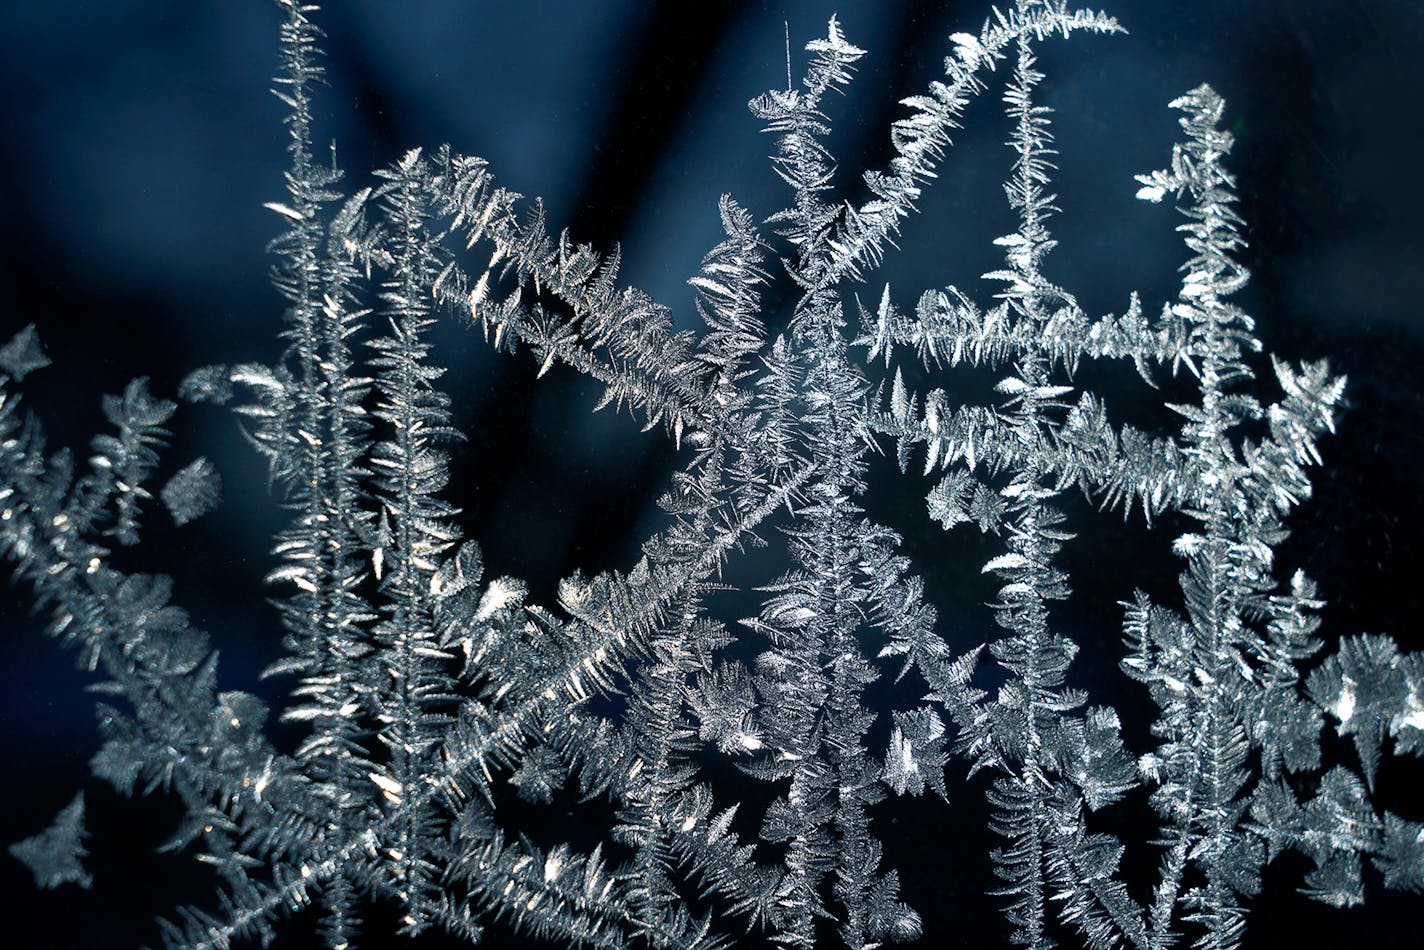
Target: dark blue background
column 139, row 143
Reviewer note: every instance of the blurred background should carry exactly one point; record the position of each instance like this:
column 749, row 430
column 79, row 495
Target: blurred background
column 139, row 143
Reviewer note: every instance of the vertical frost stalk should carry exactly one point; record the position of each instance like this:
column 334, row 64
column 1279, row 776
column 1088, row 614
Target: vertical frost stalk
column 815, row 671
column 729, row 301
column 660, row 735
column 413, row 533
column 1036, row 657
column 319, row 462
column 340, row 693
column 1220, row 573
column 800, row 621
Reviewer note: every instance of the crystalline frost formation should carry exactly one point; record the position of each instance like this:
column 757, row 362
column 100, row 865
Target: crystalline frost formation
column 429, row 688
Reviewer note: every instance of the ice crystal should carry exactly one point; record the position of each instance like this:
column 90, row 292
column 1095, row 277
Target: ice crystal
column 428, row 689
column 56, row 855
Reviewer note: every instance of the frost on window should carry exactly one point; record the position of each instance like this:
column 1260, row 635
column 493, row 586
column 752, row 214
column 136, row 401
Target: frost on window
column 745, row 758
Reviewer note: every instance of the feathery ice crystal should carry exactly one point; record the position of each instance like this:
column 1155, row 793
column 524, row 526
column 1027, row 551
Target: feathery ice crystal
column 431, row 691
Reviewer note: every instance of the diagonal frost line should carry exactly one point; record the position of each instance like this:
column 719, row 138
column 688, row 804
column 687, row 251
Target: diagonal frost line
column 635, row 369
column 614, row 641
column 696, row 409
column 920, row 139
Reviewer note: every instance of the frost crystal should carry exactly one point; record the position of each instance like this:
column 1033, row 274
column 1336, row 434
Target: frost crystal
column 192, row 492
column 428, row 693
column 56, row 855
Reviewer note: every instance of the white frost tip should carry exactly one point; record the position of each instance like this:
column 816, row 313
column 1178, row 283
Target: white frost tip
column 969, row 47
column 282, row 209
column 389, row 786
column 1345, row 705
column 495, row 598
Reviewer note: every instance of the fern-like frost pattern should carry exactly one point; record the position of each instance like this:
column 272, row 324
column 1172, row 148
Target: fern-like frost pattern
column 429, row 688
